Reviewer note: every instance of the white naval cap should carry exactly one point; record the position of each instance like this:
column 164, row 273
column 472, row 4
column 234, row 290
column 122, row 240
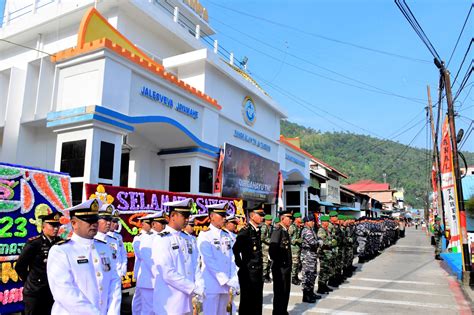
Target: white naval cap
column 231, row 218
column 86, row 211
column 106, row 210
column 183, row 206
column 158, row 217
column 219, row 208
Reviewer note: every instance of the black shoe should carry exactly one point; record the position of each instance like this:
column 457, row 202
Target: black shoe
column 296, row 281
column 438, row 257
column 354, row 268
column 308, row 298
column 315, row 296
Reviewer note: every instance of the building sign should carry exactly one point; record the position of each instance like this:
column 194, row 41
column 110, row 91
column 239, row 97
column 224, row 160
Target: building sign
column 295, row 160
column 25, row 195
column 247, row 138
column 134, row 203
column 448, row 189
column 249, row 112
column 249, row 176
column 330, row 191
column 168, row 102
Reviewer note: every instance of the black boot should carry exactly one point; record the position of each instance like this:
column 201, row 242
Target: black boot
column 295, row 280
column 315, row 296
column 322, row 288
column 332, row 282
column 307, row 297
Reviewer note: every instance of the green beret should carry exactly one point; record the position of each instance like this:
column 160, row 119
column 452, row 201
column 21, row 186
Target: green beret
column 268, row 217
column 341, row 217
column 333, row 213
column 438, row 219
column 324, row 218
column 297, row 215
column 277, row 220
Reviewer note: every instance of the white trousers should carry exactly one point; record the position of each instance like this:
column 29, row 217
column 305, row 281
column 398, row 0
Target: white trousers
column 142, row 302
column 215, row 304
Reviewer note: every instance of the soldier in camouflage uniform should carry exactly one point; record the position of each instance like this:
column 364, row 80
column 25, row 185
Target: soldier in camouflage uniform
column 348, row 248
column 325, row 255
column 362, row 233
column 266, row 234
column 438, row 233
column 295, row 234
column 309, row 259
column 337, row 235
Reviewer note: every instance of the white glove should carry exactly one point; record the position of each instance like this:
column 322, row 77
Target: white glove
column 234, row 283
column 199, row 291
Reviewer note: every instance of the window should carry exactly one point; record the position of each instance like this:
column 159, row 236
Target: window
column 180, row 178
column 205, row 180
column 76, row 189
column 73, row 157
column 292, row 198
column 106, row 162
column 124, row 165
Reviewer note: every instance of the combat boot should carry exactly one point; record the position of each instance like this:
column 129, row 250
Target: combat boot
column 332, row 282
column 296, row 281
column 315, row 296
column 307, row 297
column 323, row 288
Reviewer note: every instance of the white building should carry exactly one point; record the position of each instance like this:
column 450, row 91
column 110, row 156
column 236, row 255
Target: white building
column 130, row 94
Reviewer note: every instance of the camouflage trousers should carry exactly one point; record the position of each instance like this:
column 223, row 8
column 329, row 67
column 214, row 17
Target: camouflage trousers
column 266, row 261
column 296, row 262
column 326, row 265
column 361, row 250
column 438, row 244
column 309, row 262
column 338, row 261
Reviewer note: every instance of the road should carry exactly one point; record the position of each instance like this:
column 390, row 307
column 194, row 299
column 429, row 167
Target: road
column 404, row 279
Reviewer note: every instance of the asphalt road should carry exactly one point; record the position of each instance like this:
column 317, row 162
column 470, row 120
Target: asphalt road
column 404, row 279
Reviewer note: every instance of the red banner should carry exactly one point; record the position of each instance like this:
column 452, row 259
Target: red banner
column 134, row 203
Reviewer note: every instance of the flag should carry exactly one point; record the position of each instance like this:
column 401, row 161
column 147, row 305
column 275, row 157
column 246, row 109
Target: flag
column 280, row 192
column 218, row 182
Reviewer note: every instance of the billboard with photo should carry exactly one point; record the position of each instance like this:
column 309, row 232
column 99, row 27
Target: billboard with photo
column 249, row 176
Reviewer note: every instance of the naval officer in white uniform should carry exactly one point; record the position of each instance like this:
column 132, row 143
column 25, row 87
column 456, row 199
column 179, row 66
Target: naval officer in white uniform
column 218, row 270
column 142, row 249
column 81, row 272
column 175, row 260
column 122, row 252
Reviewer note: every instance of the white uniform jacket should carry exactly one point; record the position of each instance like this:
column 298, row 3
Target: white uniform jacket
column 122, row 252
column 145, row 277
column 218, row 265
column 82, row 278
column 113, row 244
column 175, row 258
column 136, row 250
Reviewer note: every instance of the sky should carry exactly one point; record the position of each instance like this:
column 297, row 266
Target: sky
column 304, row 54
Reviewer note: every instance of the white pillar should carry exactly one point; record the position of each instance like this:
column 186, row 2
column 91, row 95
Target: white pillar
column 176, row 14
column 216, row 46
column 34, row 6
column 231, row 58
column 198, row 31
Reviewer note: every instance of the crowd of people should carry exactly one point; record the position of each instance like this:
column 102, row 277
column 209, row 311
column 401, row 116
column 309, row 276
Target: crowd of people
column 179, row 273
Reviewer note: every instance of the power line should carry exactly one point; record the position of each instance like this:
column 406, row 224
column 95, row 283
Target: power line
column 385, row 92
column 318, row 74
column 410, row 17
column 379, row 51
column 462, row 62
column 460, row 33
column 27, row 47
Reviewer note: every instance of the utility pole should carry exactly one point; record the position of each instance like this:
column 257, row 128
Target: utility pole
column 439, row 193
column 457, row 173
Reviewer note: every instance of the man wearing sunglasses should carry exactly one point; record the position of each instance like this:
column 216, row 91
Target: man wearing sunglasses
column 81, row 272
column 31, row 266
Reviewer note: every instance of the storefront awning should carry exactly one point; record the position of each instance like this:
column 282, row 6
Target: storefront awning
column 325, row 203
column 348, row 209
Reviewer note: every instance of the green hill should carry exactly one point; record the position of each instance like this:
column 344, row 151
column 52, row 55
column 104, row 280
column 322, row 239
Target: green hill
column 365, row 157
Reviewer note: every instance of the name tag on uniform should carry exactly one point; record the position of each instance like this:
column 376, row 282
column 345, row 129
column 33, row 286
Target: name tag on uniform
column 174, row 246
column 82, row 260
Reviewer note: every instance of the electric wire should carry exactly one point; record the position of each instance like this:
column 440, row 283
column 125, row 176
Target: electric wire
column 460, row 33
column 260, row 18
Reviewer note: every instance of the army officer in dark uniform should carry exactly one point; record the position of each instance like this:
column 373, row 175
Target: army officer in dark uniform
column 248, row 257
column 31, row 267
column 280, row 254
